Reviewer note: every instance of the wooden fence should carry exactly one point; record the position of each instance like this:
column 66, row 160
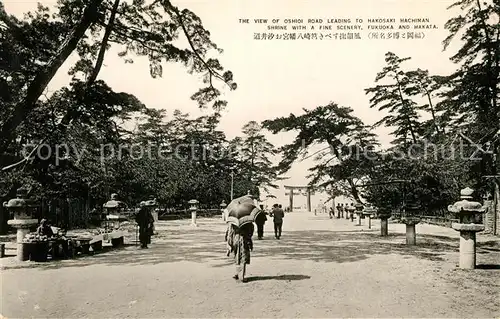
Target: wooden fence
column 185, row 213
column 441, row 217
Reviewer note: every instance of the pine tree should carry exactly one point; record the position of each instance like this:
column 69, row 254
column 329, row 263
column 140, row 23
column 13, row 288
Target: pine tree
column 391, row 97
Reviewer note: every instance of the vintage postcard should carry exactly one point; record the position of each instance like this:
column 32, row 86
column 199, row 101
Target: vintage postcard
column 249, row 159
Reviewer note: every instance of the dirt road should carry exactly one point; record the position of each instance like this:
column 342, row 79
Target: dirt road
column 320, row 268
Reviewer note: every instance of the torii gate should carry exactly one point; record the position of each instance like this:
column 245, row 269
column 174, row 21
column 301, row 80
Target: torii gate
column 291, row 191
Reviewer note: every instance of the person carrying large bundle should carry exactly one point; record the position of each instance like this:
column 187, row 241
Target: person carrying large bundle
column 239, row 240
column 242, row 213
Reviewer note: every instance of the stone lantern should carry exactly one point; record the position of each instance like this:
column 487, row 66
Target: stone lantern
column 359, row 212
column 384, row 214
column 193, row 207
column 410, row 219
column 113, row 209
column 467, row 210
column 114, row 216
column 367, row 213
column 223, row 206
column 23, row 209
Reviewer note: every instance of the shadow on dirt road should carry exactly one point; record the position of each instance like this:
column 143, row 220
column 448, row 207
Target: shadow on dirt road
column 207, row 246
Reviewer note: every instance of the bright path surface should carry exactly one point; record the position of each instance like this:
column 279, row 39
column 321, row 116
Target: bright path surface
column 320, row 268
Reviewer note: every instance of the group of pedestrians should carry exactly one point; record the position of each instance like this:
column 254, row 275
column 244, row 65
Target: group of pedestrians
column 277, row 213
column 340, row 209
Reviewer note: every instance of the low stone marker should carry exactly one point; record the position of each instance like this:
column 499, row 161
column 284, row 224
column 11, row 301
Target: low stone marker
column 467, row 210
column 359, row 213
column 410, row 219
column 411, row 233
column 193, row 207
column 367, row 213
column 384, row 224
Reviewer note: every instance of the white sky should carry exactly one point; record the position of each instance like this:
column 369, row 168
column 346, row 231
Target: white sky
column 276, row 78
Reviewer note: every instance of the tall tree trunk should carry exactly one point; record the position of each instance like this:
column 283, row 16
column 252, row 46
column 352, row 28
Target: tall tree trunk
column 352, row 186
column 104, row 44
column 493, row 67
column 44, row 76
column 492, row 74
column 431, row 109
column 403, row 102
column 68, row 116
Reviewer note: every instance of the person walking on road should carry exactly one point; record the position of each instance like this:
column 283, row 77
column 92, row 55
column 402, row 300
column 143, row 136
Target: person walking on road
column 341, row 210
column 278, row 214
column 239, row 241
column 260, row 220
column 145, row 221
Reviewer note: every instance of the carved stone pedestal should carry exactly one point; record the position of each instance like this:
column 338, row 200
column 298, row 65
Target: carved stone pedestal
column 23, row 228
column 467, row 211
column 411, row 234
column 193, row 207
column 367, row 214
column 467, row 259
column 23, row 209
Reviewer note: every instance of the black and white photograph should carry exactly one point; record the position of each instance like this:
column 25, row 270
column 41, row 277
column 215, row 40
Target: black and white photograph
column 249, row 159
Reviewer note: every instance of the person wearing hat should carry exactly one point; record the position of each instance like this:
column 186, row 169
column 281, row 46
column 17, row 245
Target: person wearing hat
column 278, row 214
column 260, row 220
column 145, row 221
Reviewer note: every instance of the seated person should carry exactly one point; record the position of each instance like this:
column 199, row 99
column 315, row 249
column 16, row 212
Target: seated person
column 44, row 229
column 58, row 248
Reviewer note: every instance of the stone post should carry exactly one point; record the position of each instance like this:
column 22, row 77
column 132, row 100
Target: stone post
column 223, row 206
column 308, row 199
column 22, row 207
column 411, row 233
column 384, row 224
column 193, row 207
column 467, row 210
column 411, row 220
column 368, row 212
column 359, row 212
